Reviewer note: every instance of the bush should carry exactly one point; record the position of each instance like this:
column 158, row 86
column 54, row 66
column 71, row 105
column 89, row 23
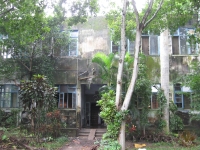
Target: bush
column 187, row 138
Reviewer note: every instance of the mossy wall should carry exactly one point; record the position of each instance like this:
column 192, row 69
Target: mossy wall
column 153, row 68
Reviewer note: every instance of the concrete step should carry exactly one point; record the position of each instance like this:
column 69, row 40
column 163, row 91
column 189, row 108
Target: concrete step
column 85, row 132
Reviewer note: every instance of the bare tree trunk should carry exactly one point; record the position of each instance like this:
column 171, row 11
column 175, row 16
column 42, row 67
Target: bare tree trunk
column 140, row 26
column 122, row 55
column 130, row 88
column 164, row 63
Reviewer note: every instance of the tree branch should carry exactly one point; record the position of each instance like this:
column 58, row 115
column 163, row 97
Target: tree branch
column 159, row 7
column 148, row 11
column 23, row 64
column 7, row 11
column 136, row 12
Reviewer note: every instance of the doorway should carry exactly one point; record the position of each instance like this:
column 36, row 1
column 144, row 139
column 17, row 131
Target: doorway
column 92, row 115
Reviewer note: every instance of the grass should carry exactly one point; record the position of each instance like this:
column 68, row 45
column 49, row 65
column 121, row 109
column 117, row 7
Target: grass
column 168, row 146
column 55, row 144
column 50, row 144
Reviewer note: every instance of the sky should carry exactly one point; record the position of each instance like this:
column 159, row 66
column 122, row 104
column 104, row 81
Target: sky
column 104, row 5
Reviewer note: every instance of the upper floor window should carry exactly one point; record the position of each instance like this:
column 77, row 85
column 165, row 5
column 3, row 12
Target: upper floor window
column 151, row 44
column 182, row 44
column 72, row 47
column 9, row 96
column 116, row 47
column 182, row 96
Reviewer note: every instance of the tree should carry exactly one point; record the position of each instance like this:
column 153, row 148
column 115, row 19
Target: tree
column 140, row 25
column 192, row 80
column 108, row 67
column 38, row 98
column 32, row 38
column 147, row 19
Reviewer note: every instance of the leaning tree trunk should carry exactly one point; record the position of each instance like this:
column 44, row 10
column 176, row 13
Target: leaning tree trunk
column 164, row 65
column 140, row 26
column 131, row 87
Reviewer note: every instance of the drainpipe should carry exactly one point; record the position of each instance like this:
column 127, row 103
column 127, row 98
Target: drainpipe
column 78, row 105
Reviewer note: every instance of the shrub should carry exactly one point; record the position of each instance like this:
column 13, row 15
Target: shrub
column 187, row 138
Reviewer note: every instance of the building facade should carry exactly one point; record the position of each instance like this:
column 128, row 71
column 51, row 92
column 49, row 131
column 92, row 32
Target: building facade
column 75, row 74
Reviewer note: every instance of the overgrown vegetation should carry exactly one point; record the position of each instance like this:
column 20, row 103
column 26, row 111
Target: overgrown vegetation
column 38, row 101
column 187, row 139
column 112, row 118
column 175, row 122
column 192, row 80
column 9, row 119
column 160, row 122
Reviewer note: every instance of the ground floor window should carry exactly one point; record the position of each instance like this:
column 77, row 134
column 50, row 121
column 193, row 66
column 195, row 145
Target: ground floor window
column 182, row 96
column 154, row 104
column 9, row 96
column 67, row 96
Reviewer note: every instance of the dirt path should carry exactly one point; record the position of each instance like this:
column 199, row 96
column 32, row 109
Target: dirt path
column 85, row 144
column 79, row 144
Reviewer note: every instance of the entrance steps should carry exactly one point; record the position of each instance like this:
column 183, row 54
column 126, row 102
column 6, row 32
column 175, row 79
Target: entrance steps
column 91, row 134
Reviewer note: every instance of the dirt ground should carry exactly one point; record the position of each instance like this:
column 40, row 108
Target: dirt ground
column 85, row 144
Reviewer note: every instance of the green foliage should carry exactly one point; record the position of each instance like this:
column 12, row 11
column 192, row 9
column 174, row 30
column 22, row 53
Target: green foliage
column 160, row 122
column 52, row 124
column 109, row 66
column 192, row 80
column 109, row 145
column 113, row 118
column 4, row 137
column 187, row 138
column 32, row 39
column 141, row 95
column 170, row 16
column 38, row 98
column 9, row 119
column 175, row 122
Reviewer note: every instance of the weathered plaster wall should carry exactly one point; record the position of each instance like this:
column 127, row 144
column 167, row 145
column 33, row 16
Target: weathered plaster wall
column 179, row 65
column 93, row 37
column 91, row 42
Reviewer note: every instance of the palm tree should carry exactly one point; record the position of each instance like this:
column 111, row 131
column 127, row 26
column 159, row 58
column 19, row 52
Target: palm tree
column 108, row 67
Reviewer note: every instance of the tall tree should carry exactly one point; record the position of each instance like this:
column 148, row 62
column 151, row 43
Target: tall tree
column 31, row 38
column 147, row 20
column 164, row 63
column 140, row 25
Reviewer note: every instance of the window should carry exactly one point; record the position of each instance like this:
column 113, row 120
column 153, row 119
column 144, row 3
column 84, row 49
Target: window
column 182, row 96
column 115, row 47
column 72, row 47
column 67, row 96
column 151, row 45
column 182, row 44
column 154, row 99
column 9, row 96
column 131, row 47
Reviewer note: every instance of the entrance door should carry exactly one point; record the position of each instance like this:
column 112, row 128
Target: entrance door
column 95, row 119
column 87, row 113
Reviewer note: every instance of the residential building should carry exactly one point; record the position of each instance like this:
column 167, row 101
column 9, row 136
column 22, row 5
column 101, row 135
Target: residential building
column 75, row 73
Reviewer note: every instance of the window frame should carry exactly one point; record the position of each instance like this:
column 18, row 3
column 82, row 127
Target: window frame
column 67, row 51
column 64, row 96
column 181, row 36
column 7, row 92
column 154, row 90
column 148, row 50
column 180, row 94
